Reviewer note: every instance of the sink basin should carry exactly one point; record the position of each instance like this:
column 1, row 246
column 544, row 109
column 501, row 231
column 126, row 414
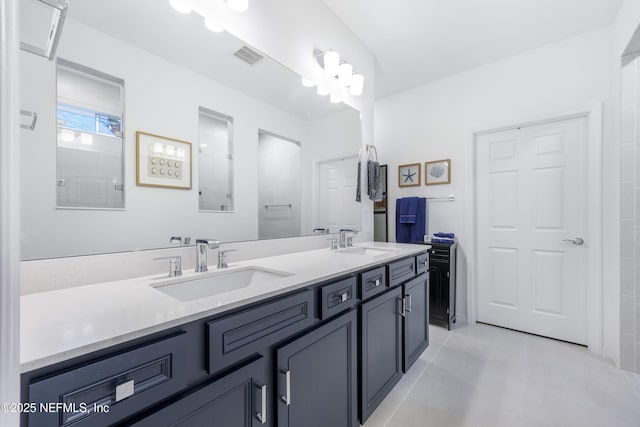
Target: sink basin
column 192, row 288
column 366, row 250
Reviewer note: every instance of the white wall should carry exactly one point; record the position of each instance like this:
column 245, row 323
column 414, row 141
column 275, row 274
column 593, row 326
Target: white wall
column 153, row 104
column 435, row 121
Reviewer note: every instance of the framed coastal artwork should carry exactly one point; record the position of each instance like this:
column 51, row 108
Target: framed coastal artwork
column 409, row 175
column 437, row 172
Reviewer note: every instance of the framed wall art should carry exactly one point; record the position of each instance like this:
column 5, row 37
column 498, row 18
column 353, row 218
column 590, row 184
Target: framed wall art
column 437, row 172
column 162, row 162
column 409, row 175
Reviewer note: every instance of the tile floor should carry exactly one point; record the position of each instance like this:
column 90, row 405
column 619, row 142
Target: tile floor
column 482, row 375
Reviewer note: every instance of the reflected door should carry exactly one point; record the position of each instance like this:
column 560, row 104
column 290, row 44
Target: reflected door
column 531, row 206
column 337, row 207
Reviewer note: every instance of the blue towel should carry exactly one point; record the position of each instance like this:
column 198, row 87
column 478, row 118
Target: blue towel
column 445, row 241
column 408, row 210
column 407, row 232
column 445, row 235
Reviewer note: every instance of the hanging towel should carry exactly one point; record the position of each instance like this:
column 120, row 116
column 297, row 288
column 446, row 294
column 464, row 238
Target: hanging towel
column 411, row 232
column 358, row 182
column 374, row 180
column 408, row 210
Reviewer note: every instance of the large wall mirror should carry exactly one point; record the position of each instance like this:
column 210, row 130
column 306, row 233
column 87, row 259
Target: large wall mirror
column 182, row 82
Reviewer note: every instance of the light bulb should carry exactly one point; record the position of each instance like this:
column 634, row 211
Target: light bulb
column 307, row 83
column 180, row 6
column 238, row 5
column 213, row 25
column 357, row 84
column 344, row 74
column 335, row 99
column 331, row 63
column 322, row 91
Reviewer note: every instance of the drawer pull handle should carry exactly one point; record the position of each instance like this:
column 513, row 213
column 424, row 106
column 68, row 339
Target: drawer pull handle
column 262, row 415
column 286, row 398
column 425, row 262
column 125, row 390
column 344, row 296
column 377, row 283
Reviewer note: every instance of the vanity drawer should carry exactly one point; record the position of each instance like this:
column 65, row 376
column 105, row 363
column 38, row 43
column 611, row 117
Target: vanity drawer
column 337, row 297
column 123, row 384
column 422, row 263
column 401, row 271
column 373, row 282
column 235, row 337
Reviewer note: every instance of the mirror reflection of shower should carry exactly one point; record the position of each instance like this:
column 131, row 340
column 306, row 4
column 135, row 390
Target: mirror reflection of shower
column 278, row 186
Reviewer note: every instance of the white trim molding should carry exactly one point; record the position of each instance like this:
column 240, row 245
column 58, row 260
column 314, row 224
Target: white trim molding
column 594, row 193
column 9, row 210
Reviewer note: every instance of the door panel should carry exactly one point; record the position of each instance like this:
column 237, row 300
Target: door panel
column 336, row 205
column 531, row 196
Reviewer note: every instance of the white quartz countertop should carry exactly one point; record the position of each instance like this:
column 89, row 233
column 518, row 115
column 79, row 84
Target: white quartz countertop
column 62, row 324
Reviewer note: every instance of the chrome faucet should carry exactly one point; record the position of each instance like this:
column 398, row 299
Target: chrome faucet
column 201, row 253
column 344, row 242
column 320, row 230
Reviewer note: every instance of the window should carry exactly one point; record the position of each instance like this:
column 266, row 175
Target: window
column 89, row 164
column 215, row 161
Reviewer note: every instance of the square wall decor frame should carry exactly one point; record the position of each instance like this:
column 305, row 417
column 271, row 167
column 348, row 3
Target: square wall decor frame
column 409, row 175
column 437, row 172
column 162, row 162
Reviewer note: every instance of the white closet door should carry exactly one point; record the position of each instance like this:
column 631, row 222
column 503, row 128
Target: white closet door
column 531, row 207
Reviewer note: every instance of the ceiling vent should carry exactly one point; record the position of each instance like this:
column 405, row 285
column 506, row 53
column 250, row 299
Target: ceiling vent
column 248, row 55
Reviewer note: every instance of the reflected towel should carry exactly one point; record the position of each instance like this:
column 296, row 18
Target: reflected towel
column 374, row 180
column 358, row 181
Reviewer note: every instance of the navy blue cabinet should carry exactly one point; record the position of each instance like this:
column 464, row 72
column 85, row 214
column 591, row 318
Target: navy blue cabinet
column 317, row 376
column 237, row 399
column 380, row 349
column 416, row 319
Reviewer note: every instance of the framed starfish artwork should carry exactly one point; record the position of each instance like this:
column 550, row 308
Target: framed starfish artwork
column 409, row 175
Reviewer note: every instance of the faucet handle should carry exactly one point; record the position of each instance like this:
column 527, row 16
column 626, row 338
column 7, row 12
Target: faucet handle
column 222, row 262
column 175, row 264
column 334, row 244
column 350, row 241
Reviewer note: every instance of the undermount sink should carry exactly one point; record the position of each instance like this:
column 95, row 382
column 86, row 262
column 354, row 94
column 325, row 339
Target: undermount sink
column 192, row 288
column 366, row 250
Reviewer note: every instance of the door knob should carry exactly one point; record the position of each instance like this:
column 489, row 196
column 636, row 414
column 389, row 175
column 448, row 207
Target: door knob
column 578, row 241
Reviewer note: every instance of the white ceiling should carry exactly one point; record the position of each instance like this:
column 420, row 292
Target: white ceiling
column 420, row 41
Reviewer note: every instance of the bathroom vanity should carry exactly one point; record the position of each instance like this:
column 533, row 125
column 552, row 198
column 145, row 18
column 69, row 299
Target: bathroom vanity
column 317, row 338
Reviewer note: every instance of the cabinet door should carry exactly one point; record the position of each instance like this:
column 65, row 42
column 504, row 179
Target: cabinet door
column 381, row 349
column 317, row 377
column 416, row 319
column 237, row 399
column 439, row 293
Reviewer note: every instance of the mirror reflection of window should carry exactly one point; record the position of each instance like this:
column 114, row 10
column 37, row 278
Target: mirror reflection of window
column 89, row 164
column 215, row 161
